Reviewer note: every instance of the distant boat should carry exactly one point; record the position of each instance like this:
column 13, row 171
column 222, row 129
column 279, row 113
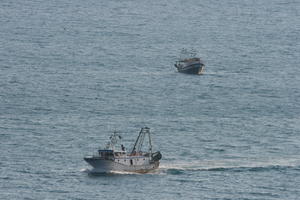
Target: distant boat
column 189, row 63
column 115, row 157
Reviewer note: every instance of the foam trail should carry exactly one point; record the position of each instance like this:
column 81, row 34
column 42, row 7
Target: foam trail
column 85, row 170
column 211, row 165
column 122, row 172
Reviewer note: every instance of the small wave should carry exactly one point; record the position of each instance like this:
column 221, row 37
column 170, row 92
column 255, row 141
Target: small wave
column 85, row 170
column 122, row 172
column 155, row 73
column 186, row 180
column 175, row 171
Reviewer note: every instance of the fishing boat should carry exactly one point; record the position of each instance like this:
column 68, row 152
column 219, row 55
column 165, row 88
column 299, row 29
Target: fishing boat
column 189, row 63
column 114, row 156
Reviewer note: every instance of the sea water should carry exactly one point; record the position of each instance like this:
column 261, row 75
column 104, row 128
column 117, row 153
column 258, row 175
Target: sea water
column 72, row 72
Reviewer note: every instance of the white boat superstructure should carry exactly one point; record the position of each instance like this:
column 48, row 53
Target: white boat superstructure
column 115, row 157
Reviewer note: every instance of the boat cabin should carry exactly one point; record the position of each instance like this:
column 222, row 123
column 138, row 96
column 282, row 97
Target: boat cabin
column 106, row 153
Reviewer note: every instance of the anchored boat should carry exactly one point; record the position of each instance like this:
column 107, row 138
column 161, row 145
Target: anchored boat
column 189, row 63
column 114, row 156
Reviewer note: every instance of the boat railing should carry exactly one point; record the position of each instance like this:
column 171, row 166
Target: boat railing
column 141, row 153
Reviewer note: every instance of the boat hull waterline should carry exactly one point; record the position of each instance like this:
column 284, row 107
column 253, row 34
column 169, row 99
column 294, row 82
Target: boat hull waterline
column 192, row 69
column 108, row 166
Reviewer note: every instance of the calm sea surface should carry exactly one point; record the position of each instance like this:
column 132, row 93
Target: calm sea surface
column 71, row 72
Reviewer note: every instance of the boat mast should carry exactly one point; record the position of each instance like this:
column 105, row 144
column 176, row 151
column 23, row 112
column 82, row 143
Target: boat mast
column 140, row 140
column 150, row 143
column 115, row 138
column 134, row 146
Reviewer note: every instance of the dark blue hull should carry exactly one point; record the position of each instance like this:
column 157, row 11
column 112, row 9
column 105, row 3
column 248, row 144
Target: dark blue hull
column 191, row 69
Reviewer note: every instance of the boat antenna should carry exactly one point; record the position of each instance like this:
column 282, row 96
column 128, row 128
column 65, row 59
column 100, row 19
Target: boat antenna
column 115, row 139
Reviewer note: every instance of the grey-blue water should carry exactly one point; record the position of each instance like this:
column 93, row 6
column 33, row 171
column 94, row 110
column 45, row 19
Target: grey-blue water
column 71, row 72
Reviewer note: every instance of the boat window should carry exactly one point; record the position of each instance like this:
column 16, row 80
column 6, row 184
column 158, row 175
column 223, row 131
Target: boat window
column 131, row 163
